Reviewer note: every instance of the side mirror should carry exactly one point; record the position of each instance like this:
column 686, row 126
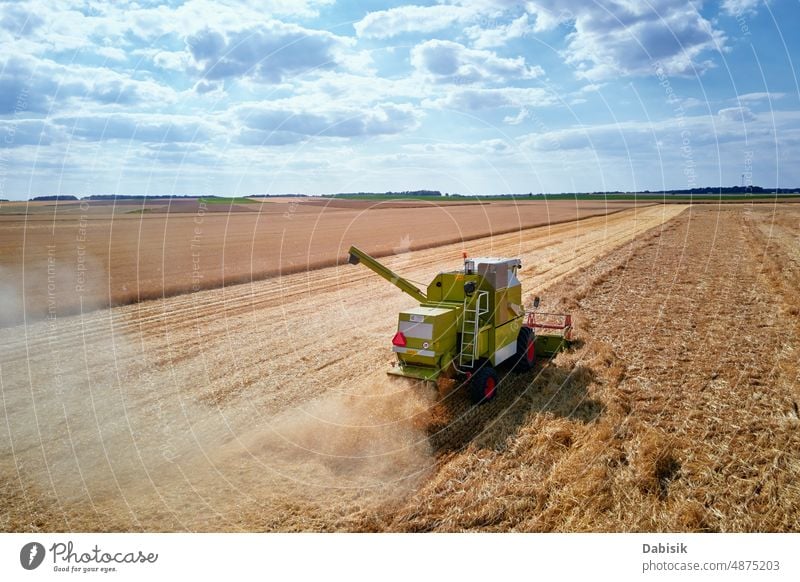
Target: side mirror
column 536, row 302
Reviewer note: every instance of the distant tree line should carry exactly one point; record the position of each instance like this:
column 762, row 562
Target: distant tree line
column 139, row 196
column 726, row 190
column 392, row 194
column 56, row 197
column 707, row 191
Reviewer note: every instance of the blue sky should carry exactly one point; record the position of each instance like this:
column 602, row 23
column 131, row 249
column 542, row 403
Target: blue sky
column 320, row 96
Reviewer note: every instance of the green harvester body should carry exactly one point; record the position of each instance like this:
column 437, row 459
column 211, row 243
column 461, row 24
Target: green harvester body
column 468, row 318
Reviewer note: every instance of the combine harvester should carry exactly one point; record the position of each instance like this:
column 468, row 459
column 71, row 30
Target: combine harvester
column 469, row 322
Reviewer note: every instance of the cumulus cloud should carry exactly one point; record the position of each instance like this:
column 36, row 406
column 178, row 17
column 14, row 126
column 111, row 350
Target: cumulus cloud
column 617, row 138
column 739, row 114
column 179, row 153
column 763, row 96
column 445, row 61
column 19, row 92
column 252, row 36
column 18, row 19
column 478, row 99
column 623, row 38
column 32, row 84
column 276, row 83
column 487, row 146
column 167, row 60
column 266, row 52
column 304, row 8
column 16, row 133
column 112, row 53
column 405, row 19
column 482, row 148
column 739, row 7
column 121, row 22
column 521, row 116
column 272, row 124
column 353, row 90
column 202, row 86
column 136, row 126
column 634, row 138
column 494, row 37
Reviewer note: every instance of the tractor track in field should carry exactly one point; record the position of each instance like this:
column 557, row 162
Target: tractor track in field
column 266, row 401
column 197, row 308
column 678, row 413
column 132, row 259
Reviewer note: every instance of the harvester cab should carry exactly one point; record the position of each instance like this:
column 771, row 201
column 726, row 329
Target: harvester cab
column 468, row 322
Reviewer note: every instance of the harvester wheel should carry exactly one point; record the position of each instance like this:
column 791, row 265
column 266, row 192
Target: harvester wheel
column 526, row 351
column 483, row 385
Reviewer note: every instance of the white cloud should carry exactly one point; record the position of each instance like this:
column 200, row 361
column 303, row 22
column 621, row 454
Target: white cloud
column 591, row 88
column 22, row 132
column 260, row 73
column 178, row 154
column 267, row 52
column 298, row 8
column 154, row 128
column 692, row 102
column 739, row 7
column 447, row 149
column 695, row 151
column 739, row 114
column 756, row 97
column 160, row 19
column 19, row 19
column 518, row 118
column 170, row 60
column 635, row 138
column 203, row 86
column 64, row 26
column 40, row 83
column 478, row 99
column 112, row 53
column 353, row 90
column 495, row 37
column 445, row 61
column 415, row 19
column 621, row 38
column 277, row 123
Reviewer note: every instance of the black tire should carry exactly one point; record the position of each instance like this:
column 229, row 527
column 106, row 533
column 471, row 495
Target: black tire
column 483, row 385
column 525, row 358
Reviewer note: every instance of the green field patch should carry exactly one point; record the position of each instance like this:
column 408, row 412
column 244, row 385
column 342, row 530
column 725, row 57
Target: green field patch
column 223, row 200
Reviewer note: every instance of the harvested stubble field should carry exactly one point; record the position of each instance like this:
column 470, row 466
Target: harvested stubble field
column 123, row 252
column 264, row 406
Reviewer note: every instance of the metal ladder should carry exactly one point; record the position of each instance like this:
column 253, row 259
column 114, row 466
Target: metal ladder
column 470, row 326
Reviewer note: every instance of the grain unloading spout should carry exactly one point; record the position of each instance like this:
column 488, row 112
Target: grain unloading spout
column 358, row 256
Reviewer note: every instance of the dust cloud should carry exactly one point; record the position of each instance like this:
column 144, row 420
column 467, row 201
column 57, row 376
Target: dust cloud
column 373, row 438
column 101, row 432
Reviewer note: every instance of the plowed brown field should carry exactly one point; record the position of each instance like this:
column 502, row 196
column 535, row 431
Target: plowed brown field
column 264, row 406
column 76, row 257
